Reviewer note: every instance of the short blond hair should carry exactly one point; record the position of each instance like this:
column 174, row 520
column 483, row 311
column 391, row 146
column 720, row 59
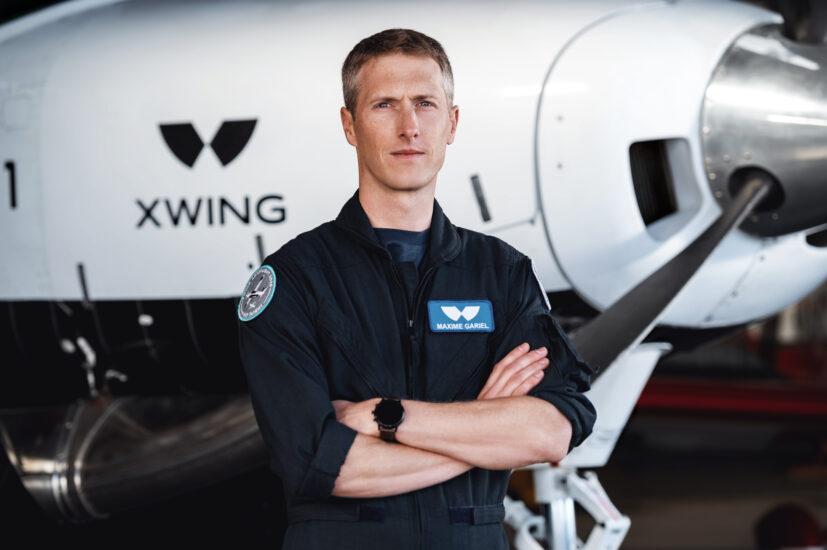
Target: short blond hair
column 389, row 41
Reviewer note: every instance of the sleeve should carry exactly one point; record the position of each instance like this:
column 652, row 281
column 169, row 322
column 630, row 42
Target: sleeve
column 288, row 388
column 568, row 375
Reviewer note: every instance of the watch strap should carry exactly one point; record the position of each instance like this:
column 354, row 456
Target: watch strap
column 387, row 434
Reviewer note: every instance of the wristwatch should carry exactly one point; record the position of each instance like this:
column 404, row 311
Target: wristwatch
column 389, row 414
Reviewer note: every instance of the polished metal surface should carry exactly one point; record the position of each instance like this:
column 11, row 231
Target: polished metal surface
column 766, row 107
column 94, row 458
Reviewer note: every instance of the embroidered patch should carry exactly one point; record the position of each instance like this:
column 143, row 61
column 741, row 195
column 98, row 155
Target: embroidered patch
column 461, row 316
column 259, row 290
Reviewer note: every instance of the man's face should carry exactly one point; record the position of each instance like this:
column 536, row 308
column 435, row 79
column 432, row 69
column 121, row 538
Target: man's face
column 401, row 106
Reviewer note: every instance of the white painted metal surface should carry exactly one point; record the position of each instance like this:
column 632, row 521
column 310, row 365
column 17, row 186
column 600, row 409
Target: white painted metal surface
column 85, row 93
column 85, row 86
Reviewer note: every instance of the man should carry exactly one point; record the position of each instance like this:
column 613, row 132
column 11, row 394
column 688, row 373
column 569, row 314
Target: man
column 388, row 351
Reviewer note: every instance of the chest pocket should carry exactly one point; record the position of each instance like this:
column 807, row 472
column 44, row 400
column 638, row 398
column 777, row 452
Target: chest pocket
column 463, row 361
column 457, row 364
column 351, row 367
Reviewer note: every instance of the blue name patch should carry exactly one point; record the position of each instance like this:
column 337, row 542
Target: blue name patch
column 460, row 316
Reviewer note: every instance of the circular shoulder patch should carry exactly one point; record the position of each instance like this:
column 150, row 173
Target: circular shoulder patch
column 257, row 293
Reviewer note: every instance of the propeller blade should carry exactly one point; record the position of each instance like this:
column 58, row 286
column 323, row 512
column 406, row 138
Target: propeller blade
column 626, row 322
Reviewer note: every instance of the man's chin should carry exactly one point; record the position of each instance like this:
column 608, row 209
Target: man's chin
column 409, row 186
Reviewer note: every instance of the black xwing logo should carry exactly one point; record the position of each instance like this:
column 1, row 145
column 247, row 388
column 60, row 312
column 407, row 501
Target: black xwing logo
column 228, row 142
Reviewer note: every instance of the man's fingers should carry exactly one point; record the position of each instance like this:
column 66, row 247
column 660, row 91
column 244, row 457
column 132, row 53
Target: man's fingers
column 511, row 356
column 528, row 374
column 515, row 367
column 519, row 383
column 532, row 381
column 518, row 351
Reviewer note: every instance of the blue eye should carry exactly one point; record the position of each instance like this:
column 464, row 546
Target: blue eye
column 428, row 102
column 382, row 103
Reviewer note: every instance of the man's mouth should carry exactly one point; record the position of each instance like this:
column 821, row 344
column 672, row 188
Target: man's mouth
column 407, row 153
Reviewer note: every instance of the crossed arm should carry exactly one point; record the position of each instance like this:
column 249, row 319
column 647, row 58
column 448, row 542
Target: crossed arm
column 503, row 429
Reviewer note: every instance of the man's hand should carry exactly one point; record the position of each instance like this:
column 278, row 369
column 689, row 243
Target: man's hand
column 516, row 373
column 358, row 416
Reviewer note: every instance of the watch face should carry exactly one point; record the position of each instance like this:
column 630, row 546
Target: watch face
column 389, row 413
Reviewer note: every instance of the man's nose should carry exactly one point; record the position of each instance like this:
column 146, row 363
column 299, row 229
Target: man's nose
column 408, row 123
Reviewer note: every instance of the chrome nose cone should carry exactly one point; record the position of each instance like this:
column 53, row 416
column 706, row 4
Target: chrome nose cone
column 765, row 110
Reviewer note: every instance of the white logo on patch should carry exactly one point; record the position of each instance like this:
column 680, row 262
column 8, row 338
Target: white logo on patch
column 453, row 312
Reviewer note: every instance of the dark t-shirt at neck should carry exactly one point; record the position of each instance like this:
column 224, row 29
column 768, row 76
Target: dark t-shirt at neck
column 404, row 246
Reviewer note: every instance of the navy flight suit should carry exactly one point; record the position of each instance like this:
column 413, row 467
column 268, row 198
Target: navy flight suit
column 338, row 323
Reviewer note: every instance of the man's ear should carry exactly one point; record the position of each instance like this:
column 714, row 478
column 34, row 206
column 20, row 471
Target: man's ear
column 453, row 114
column 347, row 125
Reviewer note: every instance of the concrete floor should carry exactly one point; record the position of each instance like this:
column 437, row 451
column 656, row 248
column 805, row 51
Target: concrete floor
column 693, row 482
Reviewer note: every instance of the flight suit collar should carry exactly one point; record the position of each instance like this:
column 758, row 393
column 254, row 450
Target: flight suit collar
column 443, row 239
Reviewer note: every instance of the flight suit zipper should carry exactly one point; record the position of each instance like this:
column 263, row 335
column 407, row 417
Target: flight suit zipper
column 409, row 351
column 410, row 316
column 417, row 298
